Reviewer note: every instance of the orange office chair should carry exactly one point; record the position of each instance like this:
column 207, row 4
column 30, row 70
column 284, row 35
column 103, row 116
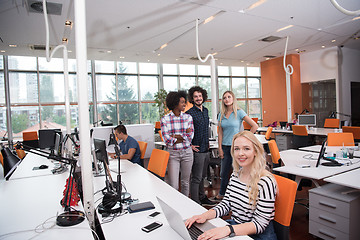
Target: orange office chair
column 31, row 139
column 338, row 139
column 158, row 162
column 332, row 123
column 284, row 205
column 275, row 154
column 162, row 139
column 143, row 146
column 300, row 136
column 268, row 133
column 157, row 125
column 247, row 126
column 354, row 130
column 1, row 159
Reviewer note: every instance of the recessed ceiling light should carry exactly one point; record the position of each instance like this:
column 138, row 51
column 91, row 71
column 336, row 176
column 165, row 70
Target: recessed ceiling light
column 242, row 61
column 215, row 53
column 158, row 54
column 163, row 46
column 12, row 45
column 221, row 63
column 121, row 57
column 323, row 46
column 238, row 45
column 108, row 51
column 209, row 19
column 2, row 51
column 64, row 40
column 284, row 28
column 176, row 59
column 252, row 6
column 296, row 49
column 356, row 18
column 148, row 60
column 69, row 51
column 267, row 58
column 333, row 40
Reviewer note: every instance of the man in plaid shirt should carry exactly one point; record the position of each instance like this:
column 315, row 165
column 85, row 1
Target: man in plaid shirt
column 178, row 130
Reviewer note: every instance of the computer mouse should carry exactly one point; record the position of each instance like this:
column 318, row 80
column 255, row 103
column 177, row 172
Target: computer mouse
column 43, row 167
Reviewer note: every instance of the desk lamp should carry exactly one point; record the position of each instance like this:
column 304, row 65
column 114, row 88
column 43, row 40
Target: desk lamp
column 70, row 217
column 11, row 161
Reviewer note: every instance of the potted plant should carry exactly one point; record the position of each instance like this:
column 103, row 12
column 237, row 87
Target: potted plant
column 160, row 103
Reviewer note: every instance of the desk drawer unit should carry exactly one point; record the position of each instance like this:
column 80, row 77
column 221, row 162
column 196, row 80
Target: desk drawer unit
column 333, row 214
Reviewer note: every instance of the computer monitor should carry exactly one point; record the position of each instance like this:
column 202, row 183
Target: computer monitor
column 100, row 150
column 47, row 138
column 57, row 146
column 307, row 119
column 321, row 154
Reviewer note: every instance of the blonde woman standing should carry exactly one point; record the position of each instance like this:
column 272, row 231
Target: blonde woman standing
column 250, row 195
column 230, row 121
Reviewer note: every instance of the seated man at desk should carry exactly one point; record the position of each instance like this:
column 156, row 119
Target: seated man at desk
column 129, row 147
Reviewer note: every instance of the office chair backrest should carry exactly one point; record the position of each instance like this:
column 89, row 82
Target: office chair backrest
column 338, row 139
column 274, row 150
column 354, row 130
column 161, row 137
column 21, row 153
column 299, row 130
column 29, row 136
column 143, row 146
column 247, row 126
column 158, row 162
column 1, row 159
column 332, row 123
column 268, row 133
column 284, row 204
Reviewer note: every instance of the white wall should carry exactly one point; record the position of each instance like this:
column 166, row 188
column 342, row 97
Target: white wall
column 349, row 71
column 319, row 65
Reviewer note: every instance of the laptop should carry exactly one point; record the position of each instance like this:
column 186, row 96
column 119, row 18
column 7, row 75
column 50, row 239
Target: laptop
column 177, row 223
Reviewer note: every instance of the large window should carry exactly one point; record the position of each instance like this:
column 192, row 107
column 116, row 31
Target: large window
column 124, row 90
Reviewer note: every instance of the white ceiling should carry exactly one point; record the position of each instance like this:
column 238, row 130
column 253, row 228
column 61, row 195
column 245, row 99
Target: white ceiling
column 134, row 29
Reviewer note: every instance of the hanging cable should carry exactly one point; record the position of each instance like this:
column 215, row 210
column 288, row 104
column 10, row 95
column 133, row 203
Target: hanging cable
column 343, row 10
column 288, row 69
column 197, row 44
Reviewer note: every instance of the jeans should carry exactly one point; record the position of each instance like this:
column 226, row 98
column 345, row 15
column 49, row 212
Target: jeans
column 268, row 234
column 198, row 174
column 180, row 161
column 226, row 168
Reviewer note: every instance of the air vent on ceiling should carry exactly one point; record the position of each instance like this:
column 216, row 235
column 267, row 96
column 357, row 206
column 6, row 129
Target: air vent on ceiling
column 37, row 7
column 195, row 58
column 270, row 39
column 269, row 56
column 39, row 47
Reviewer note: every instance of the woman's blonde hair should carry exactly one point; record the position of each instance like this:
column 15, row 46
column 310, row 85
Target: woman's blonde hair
column 224, row 108
column 258, row 165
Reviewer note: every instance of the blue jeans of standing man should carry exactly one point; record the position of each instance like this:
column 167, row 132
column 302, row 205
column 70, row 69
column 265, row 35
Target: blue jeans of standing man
column 226, row 168
column 198, row 173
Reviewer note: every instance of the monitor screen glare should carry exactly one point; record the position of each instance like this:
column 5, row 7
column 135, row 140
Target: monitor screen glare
column 308, row 119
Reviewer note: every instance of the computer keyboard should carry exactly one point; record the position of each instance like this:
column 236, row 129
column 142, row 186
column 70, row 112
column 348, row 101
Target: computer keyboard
column 194, row 232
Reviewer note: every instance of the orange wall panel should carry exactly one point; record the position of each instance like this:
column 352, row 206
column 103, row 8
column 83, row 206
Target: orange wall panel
column 273, row 84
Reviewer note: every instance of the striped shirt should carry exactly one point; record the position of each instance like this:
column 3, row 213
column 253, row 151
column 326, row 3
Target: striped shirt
column 237, row 200
column 171, row 124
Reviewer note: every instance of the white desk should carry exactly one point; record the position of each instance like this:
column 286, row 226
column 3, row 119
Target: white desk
column 348, row 179
column 28, row 203
column 311, row 131
column 292, row 158
column 333, row 149
column 145, row 186
column 25, row 168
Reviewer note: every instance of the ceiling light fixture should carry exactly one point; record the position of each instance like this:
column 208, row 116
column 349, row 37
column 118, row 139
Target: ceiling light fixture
column 108, row 51
column 296, row 49
column 284, row 28
column 121, row 57
column 252, row 6
column 238, row 45
column 158, row 54
column 163, row 46
column 355, row 18
column 323, row 46
column 12, row 45
column 215, row 53
column 209, row 19
column 333, row 40
column 65, row 40
column 2, row 51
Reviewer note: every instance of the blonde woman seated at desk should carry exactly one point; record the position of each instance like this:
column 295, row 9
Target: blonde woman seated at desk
column 250, row 194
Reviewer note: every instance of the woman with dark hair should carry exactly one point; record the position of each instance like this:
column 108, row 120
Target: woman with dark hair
column 178, row 130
